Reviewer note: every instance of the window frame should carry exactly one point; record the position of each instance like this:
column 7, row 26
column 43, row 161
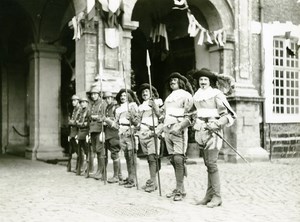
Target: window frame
column 271, row 33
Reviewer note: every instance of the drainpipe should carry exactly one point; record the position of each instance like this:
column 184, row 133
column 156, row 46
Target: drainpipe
column 262, row 67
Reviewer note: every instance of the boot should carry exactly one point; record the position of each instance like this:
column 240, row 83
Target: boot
column 147, row 184
column 120, row 177
column 179, row 174
column 115, row 179
column 208, row 195
column 152, row 169
column 130, row 169
column 216, row 190
column 173, row 192
column 100, row 167
column 215, row 202
column 69, row 165
column 79, row 164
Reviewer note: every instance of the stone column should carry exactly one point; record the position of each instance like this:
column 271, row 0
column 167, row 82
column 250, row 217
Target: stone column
column 44, row 101
column 86, row 57
column 244, row 135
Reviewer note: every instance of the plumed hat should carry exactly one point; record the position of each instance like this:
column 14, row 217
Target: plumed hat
column 130, row 92
column 187, row 85
column 147, row 86
column 225, row 83
column 205, row 72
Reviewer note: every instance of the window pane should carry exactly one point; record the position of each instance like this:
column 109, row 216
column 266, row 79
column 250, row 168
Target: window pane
column 286, row 82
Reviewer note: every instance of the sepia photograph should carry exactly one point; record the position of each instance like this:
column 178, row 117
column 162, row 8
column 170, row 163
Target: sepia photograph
column 150, row 110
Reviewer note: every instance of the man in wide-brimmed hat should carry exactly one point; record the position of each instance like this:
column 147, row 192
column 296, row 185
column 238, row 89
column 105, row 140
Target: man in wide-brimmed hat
column 213, row 113
column 112, row 138
column 97, row 109
column 126, row 120
column 177, row 105
column 149, row 111
column 73, row 146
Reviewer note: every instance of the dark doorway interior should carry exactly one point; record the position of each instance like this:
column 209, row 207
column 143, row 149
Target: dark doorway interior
column 67, row 83
column 16, row 34
column 180, row 56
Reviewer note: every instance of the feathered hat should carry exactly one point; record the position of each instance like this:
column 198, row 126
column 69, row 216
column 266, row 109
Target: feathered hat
column 223, row 82
column 130, row 92
column 147, row 86
column 187, row 85
column 207, row 73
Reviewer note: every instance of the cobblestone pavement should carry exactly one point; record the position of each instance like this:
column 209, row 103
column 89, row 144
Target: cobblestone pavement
column 37, row 191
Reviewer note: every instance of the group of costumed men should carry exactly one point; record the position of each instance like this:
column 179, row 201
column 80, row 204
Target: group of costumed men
column 99, row 124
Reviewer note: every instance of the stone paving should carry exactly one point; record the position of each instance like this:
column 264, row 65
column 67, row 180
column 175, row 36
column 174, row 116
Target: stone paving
column 37, row 191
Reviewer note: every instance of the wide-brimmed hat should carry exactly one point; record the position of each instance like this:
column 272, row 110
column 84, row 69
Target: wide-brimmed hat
column 131, row 93
column 107, row 94
column 178, row 76
column 75, row 97
column 84, row 98
column 207, row 73
column 95, row 88
column 146, row 86
column 187, row 85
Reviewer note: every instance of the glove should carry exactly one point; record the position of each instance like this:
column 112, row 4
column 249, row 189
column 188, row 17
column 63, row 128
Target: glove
column 177, row 128
column 212, row 126
column 154, row 106
column 222, row 121
column 110, row 123
column 101, row 118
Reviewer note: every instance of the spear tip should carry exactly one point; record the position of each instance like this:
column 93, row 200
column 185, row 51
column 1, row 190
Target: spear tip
column 148, row 62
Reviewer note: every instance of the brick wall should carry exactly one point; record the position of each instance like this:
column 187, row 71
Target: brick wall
column 282, row 10
column 277, row 10
column 284, row 138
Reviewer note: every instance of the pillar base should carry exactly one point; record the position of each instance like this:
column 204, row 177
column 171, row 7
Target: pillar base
column 45, row 153
column 251, row 154
column 17, row 150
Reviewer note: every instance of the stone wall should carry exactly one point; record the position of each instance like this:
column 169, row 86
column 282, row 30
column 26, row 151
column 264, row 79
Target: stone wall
column 283, row 139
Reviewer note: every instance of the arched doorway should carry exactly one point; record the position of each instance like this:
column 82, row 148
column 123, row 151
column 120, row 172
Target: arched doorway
column 174, row 50
column 36, row 51
column 16, row 33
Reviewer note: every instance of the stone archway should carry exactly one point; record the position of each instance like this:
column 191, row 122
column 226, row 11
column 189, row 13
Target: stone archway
column 31, row 50
column 184, row 53
column 16, row 32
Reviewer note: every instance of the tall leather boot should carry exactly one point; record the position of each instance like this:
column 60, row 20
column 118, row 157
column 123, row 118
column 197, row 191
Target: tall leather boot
column 100, row 167
column 115, row 179
column 172, row 194
column 79, row 163
column 216, row 190
column 120, row 176
column 131, row 170
column 179, row 174
column 91, row 161
column 209, row 193
column 125, row 181
column 152, row 184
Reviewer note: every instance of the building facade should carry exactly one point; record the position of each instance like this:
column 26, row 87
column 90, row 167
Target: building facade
column 52, row 49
